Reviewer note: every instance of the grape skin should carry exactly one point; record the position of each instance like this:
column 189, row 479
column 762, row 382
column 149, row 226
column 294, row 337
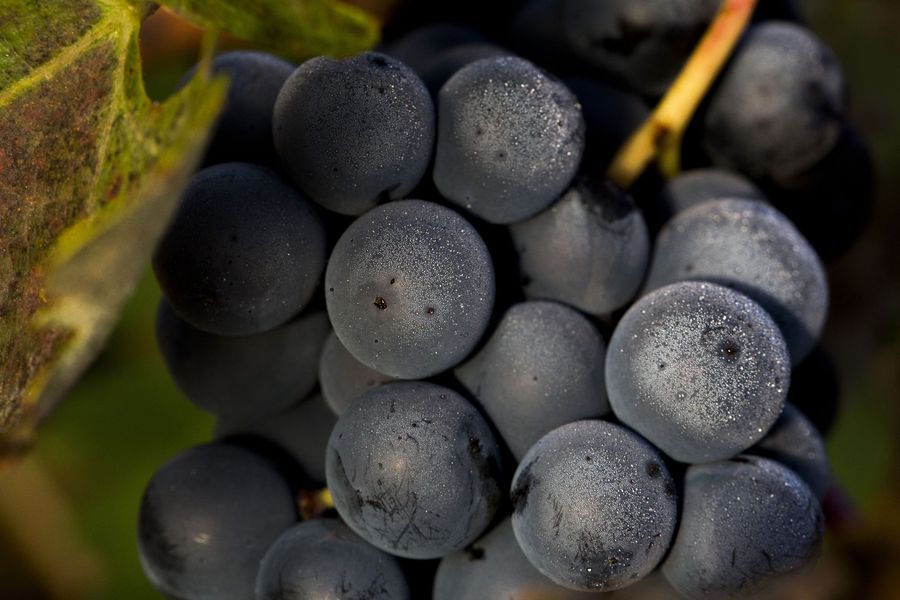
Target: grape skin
column 796, row 443
column 495, row 567
column 324, row 559
column 246, row 376
column 244, row 129
column 207, row 518
column 301, row 430
column 745, row 522
column 510, row 139
column 594, row 506
column 590, row 249
column 414, row 470
column 244, row 252
column 354, row 132
column 342, row 378
column 753, row 248
column 410, row 288
column 541, row 368
column 699, row 370
column 792, row 101
column 697, row 186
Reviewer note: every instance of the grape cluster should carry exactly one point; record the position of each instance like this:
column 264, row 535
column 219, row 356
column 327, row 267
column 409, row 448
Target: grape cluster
column 449, row 358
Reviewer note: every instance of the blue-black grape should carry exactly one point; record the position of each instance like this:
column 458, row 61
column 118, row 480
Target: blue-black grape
column 244, row 252
column 695, row 187
column 301, row 430
column 510, row 139
column 354, row 132
column 594, row 506
column 796, row 443
column 323, row 559
column 541, row 368
column 495, row 567
column 779, row 106
column 699, row 370
column 410, row 288
column 589, row 249
column 753, row 248
column 244, row 129
column 641, row 42
column 206, row 520
column 342, row 378
column 242, row 376
column 744, row 523
column 414, row 469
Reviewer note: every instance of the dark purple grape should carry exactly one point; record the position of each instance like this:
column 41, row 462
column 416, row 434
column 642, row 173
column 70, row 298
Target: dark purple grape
column 206, row 520
column 510, row 139
column 244, row 252
column 594, row 506
column 323, row 559
column 242, row 376
column 494, row 567
column 301, row 430
column 796, row 443
column 414, row 469
column 410, row 288
column 590, row 249
column 541, row 368
column 244, row 129
column 354, row 132
column 779, row 106
column 745, row 523
column 699, row 370
column 343, row 378
column 753, row 248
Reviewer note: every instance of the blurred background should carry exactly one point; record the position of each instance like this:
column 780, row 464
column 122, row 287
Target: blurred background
column 68, row 511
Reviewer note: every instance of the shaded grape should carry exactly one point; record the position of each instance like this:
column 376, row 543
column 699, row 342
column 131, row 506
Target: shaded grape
column 323, row 558
column 753, row 248
column 589, row 249
column 343, row 378
column 495, row 567
column 301, row 430
column 594, row 506
column 354, row 132
column 207, row 518
column 244, row 129
column 796, row 443
column 779, row 106
column 243, row 253
column 419, row 47
column 699, row 370
column 510, row 139
column 242, row 376
column 541, row 368
column 745, row 522
column 410, row 288
column 414, row 469
column 690, row 188
column 436, row 72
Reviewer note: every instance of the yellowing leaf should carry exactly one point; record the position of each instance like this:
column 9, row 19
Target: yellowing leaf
column 297, row 29
column 90, row 170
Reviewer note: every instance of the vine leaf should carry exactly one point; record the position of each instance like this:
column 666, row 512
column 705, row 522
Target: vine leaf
column 90, row 170
column 297, row 29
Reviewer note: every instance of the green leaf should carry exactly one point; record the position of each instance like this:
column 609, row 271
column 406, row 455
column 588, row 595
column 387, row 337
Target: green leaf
column 296, row 29
column 90, row 170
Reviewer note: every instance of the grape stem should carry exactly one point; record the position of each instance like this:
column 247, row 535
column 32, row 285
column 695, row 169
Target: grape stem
column 660, row 135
